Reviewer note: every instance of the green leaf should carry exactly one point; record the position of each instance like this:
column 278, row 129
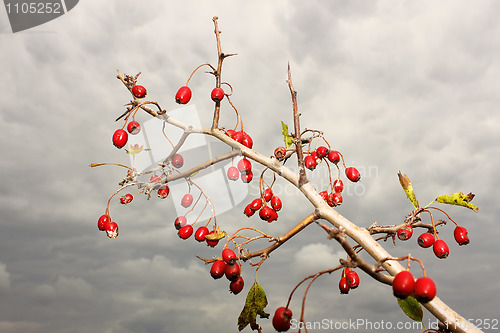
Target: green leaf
column 458, row 199
column 288, row 139
column 408, row 188
column 254, row 305
column 411, row 307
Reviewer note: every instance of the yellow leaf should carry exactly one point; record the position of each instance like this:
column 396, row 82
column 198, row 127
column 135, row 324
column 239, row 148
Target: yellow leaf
column 458, row 199
column 216, row 235
column 408, row 188
column 288, row 139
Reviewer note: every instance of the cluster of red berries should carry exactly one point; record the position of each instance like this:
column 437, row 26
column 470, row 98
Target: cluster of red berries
column 186, row 230
column 184, row 94
column 229, row 267
column 243, row 169
column 349, row 280
column 439, row 246
column 120, row 136
column 404, row 285
column 104, row 223
column 268, row 206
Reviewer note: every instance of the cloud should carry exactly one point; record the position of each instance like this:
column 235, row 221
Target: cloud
column 4, row 277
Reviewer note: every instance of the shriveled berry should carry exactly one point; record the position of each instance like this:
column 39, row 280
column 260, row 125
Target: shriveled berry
column 229, row 256
column 133, row 127
column 280, row 153
column 460, row 235
column 217, row 269
column 200, row 233
column 441, row 249
column 403, row 284
column 127, row 198
column 426, row 240
column 183, row 95
column 353, row 174
column 425, row 289
column 120, row 138
column 217, row 94
column 111, row 229
column 186, row 231
column 237, row 285
column 233, row 173
column 139, row 91
column 405, row 233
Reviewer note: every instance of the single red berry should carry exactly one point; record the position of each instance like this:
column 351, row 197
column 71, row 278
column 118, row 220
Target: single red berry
column 441, row 249
column 187, row 200
column 324, row 195
column 244, row 166
column 180, row 222
column 229, row 256
column 139, row 91
column 200, row 233
column 163, row 191
column 276, row 203
column 403, row 284
column 186, row 231
column 232, row 271
column 353, row 174
column 268, row 194
column 426, row 240
column 425, row 289
column 334, row 156
column 102, row 221
column 230, row 133
column 238, row 137
column 212, row 242
column 315, row 156
column 310, row 162
column 111, row 229
column 217, row 94
column 273, row 217
column 338, row 185
column 177, row 161
column 280, row 153
column 233, row 173
column 322, row 151
column 126, row 198
column 265, row 213
column 334, row 199
column 247, row 177
column 256, row 204
column 344, row 286
column 133, row 127
column 281, row 319
column 248, row 211
column 247, row 141
column 405, row 233
column 120, row 138
column 183, row 95
column 460, row 234
column 352, row 279
column 237, row 285
column 217, row 269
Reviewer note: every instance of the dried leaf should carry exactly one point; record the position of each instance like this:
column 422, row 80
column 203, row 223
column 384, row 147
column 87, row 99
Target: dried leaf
column 216, row 235
column 411, row 307
column 408, row 188
column 254, row 305
column 458, row 199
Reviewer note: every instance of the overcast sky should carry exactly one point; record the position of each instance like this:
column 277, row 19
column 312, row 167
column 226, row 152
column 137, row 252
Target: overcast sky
column 395, row 85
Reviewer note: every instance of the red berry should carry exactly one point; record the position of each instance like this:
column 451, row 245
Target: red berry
column 183, row 95
column 133, row 127
column 353, row 174
column 268, row 194
column 352, row 279
column 126, row 198
column 244, row 166
column 180, row 222
column 177, row 161
column 281, row 319
column 338, row 185
column 102, row 221
column 324, row 195
column 212, row 242
column 217, row 94
column 441, row 249
column 248, row 210
column 230, row 133
column 139, row 91
column 238, row 137
column 154, row 179
column 425, row 289
column 273, row 217
column 334, row 199
column 229, row 256
column 256, row 204
column 200, row 233
column 343, row 286
column 280, row 153
column 233, row 173
column 276, row 203
column 405, row 233
column 322, row 151
column 247, row 177
column 426, row 240
column 111, row 229
column 334, row 156
column 315, row 156
column 403, row 284
column 217, row 269
column 310, row 162
column 186, row 231
column 187, row 200
column 163, row 191
column 247, row 141
column 266, row 213
column 232, row 271
column 460, row 234
column 237, row 285
column 120, row 138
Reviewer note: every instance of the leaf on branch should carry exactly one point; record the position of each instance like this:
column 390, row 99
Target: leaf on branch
column 408, row 188
column 216, row 235
column 288, row 139
column 254, row 305
column 411, row 307
column 458, row 199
